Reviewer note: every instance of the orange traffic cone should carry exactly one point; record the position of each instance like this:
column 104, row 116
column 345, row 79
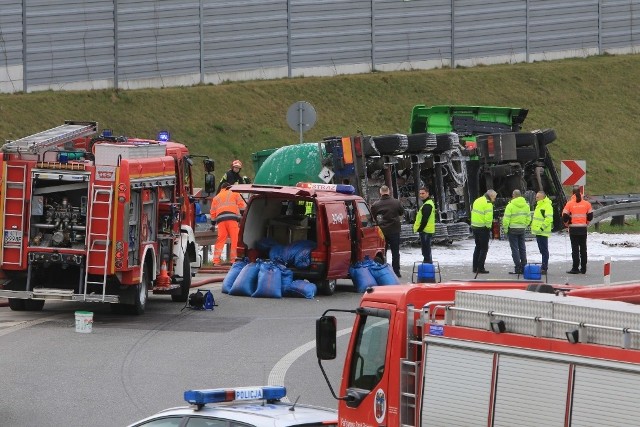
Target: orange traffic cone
column 163, row 280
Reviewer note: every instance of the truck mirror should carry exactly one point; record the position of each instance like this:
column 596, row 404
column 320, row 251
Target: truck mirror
column 209, row 165
column 209, row 183
column 326, row 338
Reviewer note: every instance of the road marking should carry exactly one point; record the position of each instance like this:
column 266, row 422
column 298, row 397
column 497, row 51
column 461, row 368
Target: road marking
column 16, row 326
column 279, row 371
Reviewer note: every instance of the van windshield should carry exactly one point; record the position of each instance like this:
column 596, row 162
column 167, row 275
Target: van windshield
column 369, row 353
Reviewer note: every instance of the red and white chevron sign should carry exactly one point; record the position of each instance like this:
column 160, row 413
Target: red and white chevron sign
column 573, row 172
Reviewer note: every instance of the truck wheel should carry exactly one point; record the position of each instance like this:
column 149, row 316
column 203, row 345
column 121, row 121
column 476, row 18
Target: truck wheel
column 185, row 286
column 33, row 304
column 16, row 304
column 327, row 287
column 141, row 289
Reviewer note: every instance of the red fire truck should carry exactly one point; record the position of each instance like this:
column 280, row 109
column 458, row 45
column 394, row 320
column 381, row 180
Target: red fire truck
column 490, row 354
column 96, row 218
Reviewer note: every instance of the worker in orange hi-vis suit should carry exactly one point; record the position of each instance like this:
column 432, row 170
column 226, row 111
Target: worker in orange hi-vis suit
column 225, row 213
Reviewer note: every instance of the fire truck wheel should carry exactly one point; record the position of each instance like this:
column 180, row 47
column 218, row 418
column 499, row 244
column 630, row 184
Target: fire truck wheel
column 33, row 304
column 327, row 287
column 16, row 304
column 140, row 297
column 185, row 286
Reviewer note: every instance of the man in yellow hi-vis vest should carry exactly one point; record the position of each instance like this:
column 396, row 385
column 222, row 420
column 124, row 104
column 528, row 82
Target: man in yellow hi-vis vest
column 481, row 223
column 425, row 224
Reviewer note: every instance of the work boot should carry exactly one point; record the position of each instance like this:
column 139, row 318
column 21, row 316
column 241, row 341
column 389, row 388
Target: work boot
column 482, row 271
column 572, row 271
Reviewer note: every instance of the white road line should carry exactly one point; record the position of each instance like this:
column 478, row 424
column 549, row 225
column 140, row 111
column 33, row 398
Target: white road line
column 277, row 374
column 25, row 324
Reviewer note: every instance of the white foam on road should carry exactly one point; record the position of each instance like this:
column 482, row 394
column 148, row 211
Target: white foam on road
column 620, row 247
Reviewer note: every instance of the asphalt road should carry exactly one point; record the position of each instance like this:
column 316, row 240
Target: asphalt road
column 130, row 367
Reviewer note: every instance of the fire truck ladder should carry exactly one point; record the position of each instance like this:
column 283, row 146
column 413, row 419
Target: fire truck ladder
column 98, row 242
column 410, row 368
column 42, row 141
column 15, row 195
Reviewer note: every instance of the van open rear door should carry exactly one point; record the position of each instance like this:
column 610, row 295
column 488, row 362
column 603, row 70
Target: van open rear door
column 339, row 250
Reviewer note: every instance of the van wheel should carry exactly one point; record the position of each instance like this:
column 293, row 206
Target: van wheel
column 16, row 304
column 185, row 286
column 327, row 287
column 33, row 304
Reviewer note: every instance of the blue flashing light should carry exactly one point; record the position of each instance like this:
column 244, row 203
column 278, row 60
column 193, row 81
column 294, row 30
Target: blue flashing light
column 345, row 189
column 107, row 133
column 164, row 136
column 217, row 395
column 337, row 188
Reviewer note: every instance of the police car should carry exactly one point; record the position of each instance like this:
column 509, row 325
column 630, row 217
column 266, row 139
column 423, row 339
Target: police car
column 241, row 407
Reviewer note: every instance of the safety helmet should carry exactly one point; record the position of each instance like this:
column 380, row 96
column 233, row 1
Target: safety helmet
column 236, row 164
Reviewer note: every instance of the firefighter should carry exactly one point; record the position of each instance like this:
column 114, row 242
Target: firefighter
column 576, row 215
column 232, row 176
column 481, row 223
column 517, row 217
column 425, row 224
column 541, row 226
column 388, row 212
column 225, row 213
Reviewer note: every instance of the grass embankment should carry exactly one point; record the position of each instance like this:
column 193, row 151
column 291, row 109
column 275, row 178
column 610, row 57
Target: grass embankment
column 592, row 103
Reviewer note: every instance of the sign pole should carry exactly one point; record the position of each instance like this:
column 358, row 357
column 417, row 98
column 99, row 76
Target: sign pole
column 300, row 121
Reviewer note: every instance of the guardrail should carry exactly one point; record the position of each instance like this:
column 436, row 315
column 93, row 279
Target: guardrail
column 619, row 209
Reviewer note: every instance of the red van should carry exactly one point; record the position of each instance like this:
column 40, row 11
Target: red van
column 332, row 216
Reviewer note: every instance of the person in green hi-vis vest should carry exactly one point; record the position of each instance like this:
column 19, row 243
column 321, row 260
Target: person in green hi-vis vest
column 425, row 224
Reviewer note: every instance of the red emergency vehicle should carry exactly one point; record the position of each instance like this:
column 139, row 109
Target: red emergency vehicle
column 490, row 354
column 332, row 216
column 97, row 219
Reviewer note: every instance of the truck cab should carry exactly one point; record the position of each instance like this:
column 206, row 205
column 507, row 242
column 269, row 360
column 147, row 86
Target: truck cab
column 336, row 224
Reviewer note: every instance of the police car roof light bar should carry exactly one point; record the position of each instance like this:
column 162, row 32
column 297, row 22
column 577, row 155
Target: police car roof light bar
column 217, row 395
column 337, row 188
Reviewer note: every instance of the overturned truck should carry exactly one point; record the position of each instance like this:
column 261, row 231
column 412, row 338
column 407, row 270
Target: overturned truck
column 458, row 152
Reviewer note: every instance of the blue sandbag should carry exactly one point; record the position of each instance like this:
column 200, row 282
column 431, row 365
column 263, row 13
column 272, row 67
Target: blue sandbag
column 300, row 253
column 384, row 275
column 278, row 253
column 286, row 275
column 265, row 244
column 269, row 281
column 247, row 281
column 235, row 269
column 361, row 277
column 301, row 289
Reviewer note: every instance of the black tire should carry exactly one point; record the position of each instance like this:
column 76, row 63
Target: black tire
column 141, row 290
column 16, row 304
column 391, row 144
column 546, row 136
column 327, row 287
column 417, row 143
column 379, row 259
column 185, row 286
column 33, row 304
column 445, row 142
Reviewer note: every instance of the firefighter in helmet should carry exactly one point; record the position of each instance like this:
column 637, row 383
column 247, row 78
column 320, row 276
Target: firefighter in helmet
column 232, row 176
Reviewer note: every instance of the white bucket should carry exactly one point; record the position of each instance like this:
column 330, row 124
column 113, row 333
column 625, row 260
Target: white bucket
column 84, row 322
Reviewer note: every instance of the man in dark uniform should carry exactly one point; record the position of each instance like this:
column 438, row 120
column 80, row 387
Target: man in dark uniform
column 232, row 176
column 388, row 212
